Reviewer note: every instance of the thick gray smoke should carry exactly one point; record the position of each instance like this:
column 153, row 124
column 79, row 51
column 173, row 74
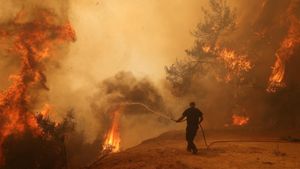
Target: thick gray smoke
column 124, row 87
column 131, row 93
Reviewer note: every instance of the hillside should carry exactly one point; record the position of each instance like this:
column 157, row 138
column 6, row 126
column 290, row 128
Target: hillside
column 167, row 151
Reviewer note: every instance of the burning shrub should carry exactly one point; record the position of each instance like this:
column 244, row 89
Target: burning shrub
column 44, row 151
column 121, row 104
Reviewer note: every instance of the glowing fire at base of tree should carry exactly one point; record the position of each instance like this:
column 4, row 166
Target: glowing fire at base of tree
column 112, row 138
column 240, row 120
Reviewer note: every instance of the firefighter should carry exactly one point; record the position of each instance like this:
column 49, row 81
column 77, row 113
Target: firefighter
column 193, row 118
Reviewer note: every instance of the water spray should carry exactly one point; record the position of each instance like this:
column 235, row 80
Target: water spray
column 148, row 108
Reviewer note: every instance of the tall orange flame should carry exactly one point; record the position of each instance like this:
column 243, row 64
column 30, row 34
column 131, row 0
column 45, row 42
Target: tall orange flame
column 112, row 138
column 283, row 54
column 33, row 38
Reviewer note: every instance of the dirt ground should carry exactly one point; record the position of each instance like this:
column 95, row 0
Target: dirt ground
column 168, row 151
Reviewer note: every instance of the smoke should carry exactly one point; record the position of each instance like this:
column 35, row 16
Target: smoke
column 107, row 44
column 125, row 90
column 124, row 87
column 93, row 75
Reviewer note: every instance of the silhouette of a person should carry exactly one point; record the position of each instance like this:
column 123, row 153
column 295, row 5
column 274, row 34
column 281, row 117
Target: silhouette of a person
column 193, row 118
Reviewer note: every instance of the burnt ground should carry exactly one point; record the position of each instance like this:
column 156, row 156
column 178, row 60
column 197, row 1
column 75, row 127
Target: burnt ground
column 167, row 151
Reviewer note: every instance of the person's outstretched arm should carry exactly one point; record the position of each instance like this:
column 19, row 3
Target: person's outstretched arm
column 181, row 118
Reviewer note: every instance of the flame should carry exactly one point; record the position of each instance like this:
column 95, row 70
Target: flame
column 238, row 120
column 33, row 40
column 112, row 139
column 46, row 111
column 235, row 64
column 285, row 51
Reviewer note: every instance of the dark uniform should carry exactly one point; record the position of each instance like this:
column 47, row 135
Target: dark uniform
column 193, row 116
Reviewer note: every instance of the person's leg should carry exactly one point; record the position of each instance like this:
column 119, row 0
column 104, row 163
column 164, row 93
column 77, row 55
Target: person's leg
column 188, row 139
column 193, row 133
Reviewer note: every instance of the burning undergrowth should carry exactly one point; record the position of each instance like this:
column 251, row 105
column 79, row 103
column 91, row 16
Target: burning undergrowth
column 123, row 106
column 47, row 150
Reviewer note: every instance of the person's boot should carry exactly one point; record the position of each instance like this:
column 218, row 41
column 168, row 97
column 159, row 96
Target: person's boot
column 195, row 151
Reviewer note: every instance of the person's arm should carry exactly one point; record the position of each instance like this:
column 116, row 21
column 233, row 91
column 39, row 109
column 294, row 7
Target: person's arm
column 181, row 118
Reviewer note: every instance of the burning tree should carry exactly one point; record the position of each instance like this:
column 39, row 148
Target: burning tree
column 208, row 54
column 209, row 58
column 32, row 37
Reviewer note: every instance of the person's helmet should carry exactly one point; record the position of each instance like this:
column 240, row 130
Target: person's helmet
column 192, row 104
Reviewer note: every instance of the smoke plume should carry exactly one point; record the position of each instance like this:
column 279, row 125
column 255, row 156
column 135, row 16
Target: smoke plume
column 131, row 93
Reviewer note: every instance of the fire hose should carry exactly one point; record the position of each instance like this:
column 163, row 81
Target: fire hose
column 252, row 141
column 204, row 137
